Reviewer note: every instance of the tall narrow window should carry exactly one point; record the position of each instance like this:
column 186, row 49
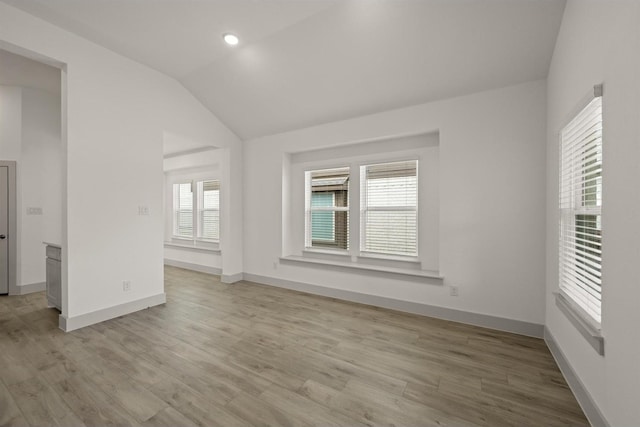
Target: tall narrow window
column 389, row 208
column 580, row 209
column 209, row 210
column 327, row 209
column 183, row 210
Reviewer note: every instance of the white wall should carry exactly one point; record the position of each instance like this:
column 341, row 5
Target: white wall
column 30, row 132
column 116, row 113
column 492, row 198
column 599, row 42
column 10, row 122
column 40, row 171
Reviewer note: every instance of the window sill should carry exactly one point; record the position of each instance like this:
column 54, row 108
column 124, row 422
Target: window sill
column 396, row 258
column 587, row 330
column 194, row 246
column 336, row 252
column 367, row 267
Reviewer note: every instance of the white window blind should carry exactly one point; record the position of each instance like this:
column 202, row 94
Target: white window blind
column 209, row 210
column 580, row 209
column 389, row 208
column 327, row 209
column 183, row 210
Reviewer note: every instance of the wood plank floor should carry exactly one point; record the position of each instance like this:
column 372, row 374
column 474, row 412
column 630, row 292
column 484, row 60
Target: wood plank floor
column 246, row 354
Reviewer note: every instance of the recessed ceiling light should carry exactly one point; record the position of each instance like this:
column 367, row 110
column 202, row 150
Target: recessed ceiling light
column 231, row 39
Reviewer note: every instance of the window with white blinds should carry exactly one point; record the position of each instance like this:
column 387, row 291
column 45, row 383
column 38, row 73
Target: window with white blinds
column 327, row 209
column 209, row 210
column 580, row 209
column 183, row 210
column 389, row 208
column 196, row 215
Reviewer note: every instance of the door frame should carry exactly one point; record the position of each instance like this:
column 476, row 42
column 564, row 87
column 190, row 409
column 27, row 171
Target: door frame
column 13, row 235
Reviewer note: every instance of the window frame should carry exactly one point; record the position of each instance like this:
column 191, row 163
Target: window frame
column 199, row 213
column 174, row 216
column 195, row 210
column 364, row 208
column 309, row 209
column 571, row 205
column 355, row 242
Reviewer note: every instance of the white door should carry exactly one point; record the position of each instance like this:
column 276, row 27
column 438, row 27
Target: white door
column 4, row 230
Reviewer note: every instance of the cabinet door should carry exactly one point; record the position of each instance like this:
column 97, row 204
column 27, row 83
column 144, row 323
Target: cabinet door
column 54, row 283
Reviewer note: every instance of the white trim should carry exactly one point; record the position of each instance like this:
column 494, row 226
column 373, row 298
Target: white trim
column 195, row 267
column 361, row 266
column 477, row 319
column 582, row 395
column 191, row 247
column 386, row 257
column 68, row 324
column 190, row 151
column 325, row 251
column 31, row 288
column 231, row 278
column 581, row 321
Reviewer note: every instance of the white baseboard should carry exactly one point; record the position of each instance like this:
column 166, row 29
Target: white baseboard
column 68, row 324
column 31, row 288
column 232, row 278
column 194, row 267
column 588, row 405
column 477, row 319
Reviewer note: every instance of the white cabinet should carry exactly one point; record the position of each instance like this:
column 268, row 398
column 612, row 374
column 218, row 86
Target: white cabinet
column 54, row 276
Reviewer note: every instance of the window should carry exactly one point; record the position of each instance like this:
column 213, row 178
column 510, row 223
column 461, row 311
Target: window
column 209, row 210
column 580, row 209
column 389, row 200
column 388, row 206
column 183, row 210
column 206, row 203
column 327, row 209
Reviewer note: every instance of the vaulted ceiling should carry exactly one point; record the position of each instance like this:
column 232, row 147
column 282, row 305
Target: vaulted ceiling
column 306, row 62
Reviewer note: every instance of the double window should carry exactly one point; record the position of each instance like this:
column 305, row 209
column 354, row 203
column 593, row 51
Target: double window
column 388, row 207
column 196, row 210
column 580, row 209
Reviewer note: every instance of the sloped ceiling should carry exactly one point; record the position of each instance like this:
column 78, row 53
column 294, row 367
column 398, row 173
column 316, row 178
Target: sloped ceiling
column 306, row 62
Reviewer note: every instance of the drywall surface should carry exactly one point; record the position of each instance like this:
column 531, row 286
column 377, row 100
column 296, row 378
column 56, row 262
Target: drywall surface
column 30, row 134
column 492, row 202
column 40, row 166
column 599, row 43
column 10, row 122
column 116, row 113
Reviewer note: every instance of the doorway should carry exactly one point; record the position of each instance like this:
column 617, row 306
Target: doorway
column 7, row 226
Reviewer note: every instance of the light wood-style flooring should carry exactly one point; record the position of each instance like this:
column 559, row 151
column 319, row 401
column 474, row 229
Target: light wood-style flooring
column 247, row 354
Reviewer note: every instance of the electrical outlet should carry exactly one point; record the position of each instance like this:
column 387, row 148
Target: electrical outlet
column 143, row 210
column 453, row 291
column 126, row 286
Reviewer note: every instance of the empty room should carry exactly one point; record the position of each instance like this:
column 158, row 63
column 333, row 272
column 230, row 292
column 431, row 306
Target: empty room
column 319, row 212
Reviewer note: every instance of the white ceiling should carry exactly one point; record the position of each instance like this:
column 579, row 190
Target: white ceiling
column 16, row 70
column 307, row 62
